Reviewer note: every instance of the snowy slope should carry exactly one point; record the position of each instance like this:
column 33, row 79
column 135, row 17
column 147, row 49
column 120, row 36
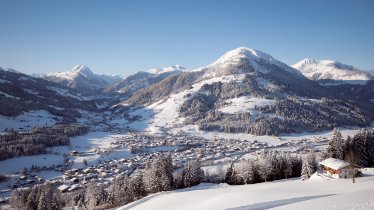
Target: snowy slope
column 165, row 113
column 316, row 193
column 332, row 70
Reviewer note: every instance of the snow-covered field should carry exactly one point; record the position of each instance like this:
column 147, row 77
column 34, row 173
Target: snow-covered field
column 83, row 144
column 27, row 120
column 316, row 193
column 245, row 104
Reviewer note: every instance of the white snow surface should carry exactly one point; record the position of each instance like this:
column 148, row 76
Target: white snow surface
column 313, row 194
column 166, row 69
column 245, row 104
column 332, row 70
column 334, row 163
column 27, row 120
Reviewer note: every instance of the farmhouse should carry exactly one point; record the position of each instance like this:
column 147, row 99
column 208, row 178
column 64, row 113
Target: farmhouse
column 74, row 153
column 339, row 169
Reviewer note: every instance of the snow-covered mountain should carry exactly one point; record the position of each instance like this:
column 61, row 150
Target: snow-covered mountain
column 255, row 59
column 20, row 93
column 167, row 69
column 141, row 79
column 245, row 91
column 9, row 70
column 81, row 77
column 332, row 72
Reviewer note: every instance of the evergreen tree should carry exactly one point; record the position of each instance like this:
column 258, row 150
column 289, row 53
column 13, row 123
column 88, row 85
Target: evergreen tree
column 95, row 195
column 306, row 171
column 158, row 175
column 44, row 202
column 265, row 168
column 139, row 189
column 335, row 148
column 309, row 166
column 229, row 178
column 192, row 174
column 33, row 197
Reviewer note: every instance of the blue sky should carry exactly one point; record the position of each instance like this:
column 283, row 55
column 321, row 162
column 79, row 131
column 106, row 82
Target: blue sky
column 121, row 37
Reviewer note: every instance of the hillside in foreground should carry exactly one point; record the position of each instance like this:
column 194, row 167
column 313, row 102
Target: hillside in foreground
column 316, row 193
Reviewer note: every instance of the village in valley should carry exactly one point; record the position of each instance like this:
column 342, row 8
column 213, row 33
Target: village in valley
column 187, row 105
column 110, row 157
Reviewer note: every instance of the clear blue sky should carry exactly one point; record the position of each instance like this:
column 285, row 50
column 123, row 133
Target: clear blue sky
column 121, row 37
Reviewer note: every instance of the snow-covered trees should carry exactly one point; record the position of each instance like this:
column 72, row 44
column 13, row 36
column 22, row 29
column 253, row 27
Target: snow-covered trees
column 269, row 166
column 136, row 188
column 335, row 148
column 96, row 195
column 158, row 176
column 360, row 148
column 232, row 177
column 117, row 193
column 309, row 166
column 357, row 150
column 192, row 174
column 38, row 197
column 266, row 168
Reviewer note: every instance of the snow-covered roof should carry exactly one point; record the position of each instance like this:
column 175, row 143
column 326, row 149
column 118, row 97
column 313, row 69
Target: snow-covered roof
column 334, row 163
column 63, row 187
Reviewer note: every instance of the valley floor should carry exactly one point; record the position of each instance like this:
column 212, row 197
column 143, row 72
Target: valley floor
column 316, row 193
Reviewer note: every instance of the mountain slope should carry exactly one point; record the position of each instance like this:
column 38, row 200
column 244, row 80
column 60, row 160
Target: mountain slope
column 131, row 84
column 244, row 91
column 333, row 72
column 81, row 77
column 20, row 93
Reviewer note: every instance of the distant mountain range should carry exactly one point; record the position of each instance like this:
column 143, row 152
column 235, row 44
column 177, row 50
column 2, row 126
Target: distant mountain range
column 332, row 72
column 249, row 91
column 81, row 77
column 244, row 91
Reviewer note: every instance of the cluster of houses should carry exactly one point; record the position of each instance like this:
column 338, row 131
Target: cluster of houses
column 145, row 148
column 181, row 148
column 185, row 147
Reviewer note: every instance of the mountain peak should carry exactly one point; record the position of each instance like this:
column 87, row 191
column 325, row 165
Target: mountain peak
column 241, row 57
column 240, row 53
column 83, row 70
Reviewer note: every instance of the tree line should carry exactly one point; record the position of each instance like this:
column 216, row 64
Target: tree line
column 358, row 149
column 13, row 143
